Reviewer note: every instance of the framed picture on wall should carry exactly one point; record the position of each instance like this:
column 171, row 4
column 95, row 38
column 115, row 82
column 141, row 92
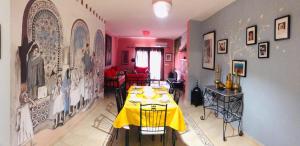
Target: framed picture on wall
column 222, row 46
column 263, row 49
column 239, row 67
column 168, row 57
column 108, row 50
column 251, row 35
column 125, row 57
column 282, row 28
column 208, row 52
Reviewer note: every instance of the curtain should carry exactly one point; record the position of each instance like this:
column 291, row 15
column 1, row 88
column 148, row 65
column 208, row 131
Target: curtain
column 155, row 64
column 141, row 59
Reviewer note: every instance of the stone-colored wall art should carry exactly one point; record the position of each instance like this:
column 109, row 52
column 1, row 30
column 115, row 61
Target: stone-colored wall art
column 45, row 28
column 82, row 70
column 40, row 63
column 80, row 43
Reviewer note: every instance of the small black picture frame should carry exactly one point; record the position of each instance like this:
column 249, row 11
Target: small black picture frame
column 282, row 28
column 222, row 46
column 168, row 57
column 263, row 49
column 251, row 35
column 239, row 67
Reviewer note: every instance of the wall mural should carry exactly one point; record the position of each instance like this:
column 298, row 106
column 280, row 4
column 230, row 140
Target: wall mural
column 80, row 39
column 40, row 65
column 82, row 68
column 52, row 88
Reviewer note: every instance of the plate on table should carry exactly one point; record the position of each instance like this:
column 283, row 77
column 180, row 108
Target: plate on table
column 149, row 95
column 134, row 99
column 149, row 101
column 164, row 99
column 135, row 92
column 162, row 92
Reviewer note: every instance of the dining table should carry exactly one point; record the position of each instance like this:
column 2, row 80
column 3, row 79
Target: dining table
column 137, row 95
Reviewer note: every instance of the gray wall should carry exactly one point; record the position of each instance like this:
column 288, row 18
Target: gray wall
column 271, row 88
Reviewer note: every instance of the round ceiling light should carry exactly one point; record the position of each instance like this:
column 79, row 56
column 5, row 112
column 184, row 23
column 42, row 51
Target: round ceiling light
column 161, row 8
column 146, row 33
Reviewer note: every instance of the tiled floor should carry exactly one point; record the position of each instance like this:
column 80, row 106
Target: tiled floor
column 212, row 127
column 81, row 131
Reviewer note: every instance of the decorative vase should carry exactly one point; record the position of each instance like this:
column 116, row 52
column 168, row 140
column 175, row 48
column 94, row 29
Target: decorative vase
column 228, row 84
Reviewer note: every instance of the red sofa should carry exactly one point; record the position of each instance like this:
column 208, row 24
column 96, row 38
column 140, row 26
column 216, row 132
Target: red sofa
column 113, row 77
column 140, row 76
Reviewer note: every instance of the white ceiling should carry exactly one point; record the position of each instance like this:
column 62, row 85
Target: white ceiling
column 128, row 18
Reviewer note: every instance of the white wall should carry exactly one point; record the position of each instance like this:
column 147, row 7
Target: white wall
column 70, row 11
column 5, row 72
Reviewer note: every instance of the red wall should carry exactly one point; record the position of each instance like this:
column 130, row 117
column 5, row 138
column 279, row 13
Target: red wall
column 130, row 44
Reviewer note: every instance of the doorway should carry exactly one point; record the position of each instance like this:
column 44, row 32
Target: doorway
column 151, row 57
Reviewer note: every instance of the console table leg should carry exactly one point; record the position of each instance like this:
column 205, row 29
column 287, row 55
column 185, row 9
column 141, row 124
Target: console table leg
column 224, row 130
column 240, row 129
column 203, row 117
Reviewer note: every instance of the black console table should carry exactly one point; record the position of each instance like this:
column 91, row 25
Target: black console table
column 227, row 103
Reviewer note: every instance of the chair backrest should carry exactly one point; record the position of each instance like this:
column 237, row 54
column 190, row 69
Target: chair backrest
column 153, row 118
column 171, row 89
column 176, row 95
column 123, row 92
column 119, row 99
column 172, row 76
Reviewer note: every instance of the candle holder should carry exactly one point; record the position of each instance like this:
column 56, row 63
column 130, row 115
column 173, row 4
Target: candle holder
column 236, row 85
column 218, row 82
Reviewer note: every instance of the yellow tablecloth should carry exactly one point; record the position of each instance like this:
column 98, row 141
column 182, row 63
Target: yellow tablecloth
column 130, row 114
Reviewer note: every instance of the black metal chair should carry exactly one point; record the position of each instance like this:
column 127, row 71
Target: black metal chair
column 119, row 99
column 176, row 95
column 153, row 121
column 120, row 103
column 123, row 92
column 172, row 76
column 171, row 89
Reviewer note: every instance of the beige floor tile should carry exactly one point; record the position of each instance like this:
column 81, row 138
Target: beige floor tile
column 79, row 130
column 212, row 127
